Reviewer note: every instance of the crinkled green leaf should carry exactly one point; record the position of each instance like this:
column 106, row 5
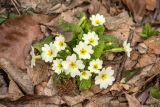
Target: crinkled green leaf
column 155, row 92
column 75, row 29
column 70, row 27
column 149, row 31
column 99, row 30
column 98, row 50
column 85, row 84
column 131, row 73
column 41, row 43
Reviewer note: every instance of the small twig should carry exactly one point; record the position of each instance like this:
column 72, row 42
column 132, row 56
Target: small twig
column 124, row 58
column 157, row 9
column 13, row 2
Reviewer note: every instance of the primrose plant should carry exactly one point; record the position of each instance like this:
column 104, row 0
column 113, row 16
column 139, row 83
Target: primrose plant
column 80, row 58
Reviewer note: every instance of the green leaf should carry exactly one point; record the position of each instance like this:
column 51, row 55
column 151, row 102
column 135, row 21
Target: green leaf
column 98, row 50
column 86, row 26
column 99, row 30
column 116, row 50
column 61, row 76
column 131, row 73
column 155, row 92
column 28, row 11
column 3, row 18
column 70, row 27
column 64, row 53
column 41, row 43
column 110, row 42
column 82, row 14
column 12, row 15
column 75, row 29
column 149, row 31
column 85, row 84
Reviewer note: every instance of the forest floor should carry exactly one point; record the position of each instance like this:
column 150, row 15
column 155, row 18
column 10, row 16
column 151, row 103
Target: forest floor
column 137, row 81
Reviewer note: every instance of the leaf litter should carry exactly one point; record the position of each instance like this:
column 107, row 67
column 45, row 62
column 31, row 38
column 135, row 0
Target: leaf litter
column 25, row 30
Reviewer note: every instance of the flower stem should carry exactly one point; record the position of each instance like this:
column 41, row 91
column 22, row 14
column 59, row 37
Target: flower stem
column 37, row 57
column 81, row 20
column 116, row 50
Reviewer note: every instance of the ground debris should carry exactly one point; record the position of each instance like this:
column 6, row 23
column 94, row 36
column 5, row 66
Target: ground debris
column 37, row 87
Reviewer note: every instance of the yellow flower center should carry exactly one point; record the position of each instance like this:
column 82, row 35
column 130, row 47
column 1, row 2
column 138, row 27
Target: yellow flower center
column 83, row 51
column 72, row 65
column 103, row 76
column 59, row 66
column 61, row 43
column 98, row 22
column 95, row 66
column 84, row 74
column 91, row 40
column 50, row 52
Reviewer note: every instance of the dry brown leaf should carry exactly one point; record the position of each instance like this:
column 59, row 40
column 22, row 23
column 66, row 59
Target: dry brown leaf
column 146, row 60
column 97, row 7
column 153, row 44
column 17, row 36
column 40, row 72
column 153, row 102
column 151, row 4
column 29, row 3
column 132, row 101
column 52, row 6
column 50, row 89
column 33, row 101
column 119, row 25
column 104, row 101
column 14, row 91
column 64, row 6
column 72, row 100
column 145, row 77
column 3, row 86
column 17, row 75
column 137, row 7
column 119, row 87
